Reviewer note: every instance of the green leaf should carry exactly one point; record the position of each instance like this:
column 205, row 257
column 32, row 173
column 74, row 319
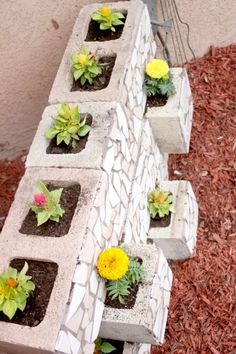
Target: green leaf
column 9, row 308
column 42, row 217
column 78, row 73
column 56, row 195
column 21, row 306
column 83, row 80
column 106, row 347
column 84, row 130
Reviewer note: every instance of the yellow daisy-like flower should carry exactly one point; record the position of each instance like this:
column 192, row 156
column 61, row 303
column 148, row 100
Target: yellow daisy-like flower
column 113, row 263
column 105, row 11
column 157, row 68
column 82, row 59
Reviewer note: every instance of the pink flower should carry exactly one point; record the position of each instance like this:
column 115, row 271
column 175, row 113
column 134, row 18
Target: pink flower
column 40, row 200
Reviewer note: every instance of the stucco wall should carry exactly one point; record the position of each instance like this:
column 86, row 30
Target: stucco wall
column 33, row 36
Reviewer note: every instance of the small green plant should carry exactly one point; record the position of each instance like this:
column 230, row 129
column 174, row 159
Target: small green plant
column 119, row 272
column 15, row 288
column 160, row 203
column 46, row 204
column 85, row 66
column 68, row 127
column 102, row 346
column 158, row 79
column 107, row 18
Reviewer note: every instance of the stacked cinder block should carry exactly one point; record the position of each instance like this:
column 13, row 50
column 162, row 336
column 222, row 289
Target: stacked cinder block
column 121, row 162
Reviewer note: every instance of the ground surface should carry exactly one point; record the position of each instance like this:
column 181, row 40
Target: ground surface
column 202, row 317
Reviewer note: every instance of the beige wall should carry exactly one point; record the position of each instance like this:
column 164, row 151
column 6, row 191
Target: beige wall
column 33, row 36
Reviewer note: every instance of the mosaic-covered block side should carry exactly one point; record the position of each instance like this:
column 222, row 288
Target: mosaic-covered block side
column 146, row 321
column 151, row 168
column 133, row 95
column 106, row 222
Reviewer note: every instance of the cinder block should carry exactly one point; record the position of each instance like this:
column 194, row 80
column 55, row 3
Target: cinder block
column 178, row 240
column 63, row 251
column 91, row 156
column 136, row 348
column 122, row 48
column 146, row 321
column 172, row 123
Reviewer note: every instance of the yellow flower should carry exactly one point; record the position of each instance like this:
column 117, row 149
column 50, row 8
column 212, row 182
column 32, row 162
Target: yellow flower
column 83, row 58
column 105, row 11
column 113, row 263
column 157, row 69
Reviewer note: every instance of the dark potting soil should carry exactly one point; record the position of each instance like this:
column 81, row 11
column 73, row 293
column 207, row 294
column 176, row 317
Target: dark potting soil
column 156, row 101
column 95, row 34
column 69, row 199
column 118, row 345
column 62, row 148
column 101, row 81
column 43, row 275
column 161, row 222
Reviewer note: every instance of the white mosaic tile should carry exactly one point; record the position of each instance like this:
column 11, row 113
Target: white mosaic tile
column 63, row 344
column 108, row 161
column 80, row 275
column 78, row 293
column 99, row 307
column 74, row 343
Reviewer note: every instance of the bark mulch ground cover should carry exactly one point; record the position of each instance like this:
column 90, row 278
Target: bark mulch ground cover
column 202, row 317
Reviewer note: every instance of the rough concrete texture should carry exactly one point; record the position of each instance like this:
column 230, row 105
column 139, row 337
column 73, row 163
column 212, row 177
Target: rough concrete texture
column 91, row 156
column 172, row 123
column 121, row 47
column 38, row 43
column 146, row 321
column 39, row 339
column 136, row 348
column 178, row 240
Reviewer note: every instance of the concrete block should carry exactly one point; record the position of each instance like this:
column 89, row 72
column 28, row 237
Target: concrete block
column 91, row 156
column 178, row 240
column 172, row 123
column 63, row 250
column 146, row 321
column 122, row 48
column 136, row 348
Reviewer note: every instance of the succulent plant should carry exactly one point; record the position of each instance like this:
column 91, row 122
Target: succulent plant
column 85, row 66
column 15, row 288
column 160, row 203
column 67, row 126
column 107, row 18
column 46, row 204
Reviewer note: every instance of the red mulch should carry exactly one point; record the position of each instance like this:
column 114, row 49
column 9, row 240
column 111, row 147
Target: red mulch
column 10, row 175
column 202, row 316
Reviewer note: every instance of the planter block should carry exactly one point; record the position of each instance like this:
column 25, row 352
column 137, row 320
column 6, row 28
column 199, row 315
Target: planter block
column 146, row 321
column 136, row 348
column 172, row 123
column 61, row 250
column 133, row 49
column 179, row 238
column 91, row 156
